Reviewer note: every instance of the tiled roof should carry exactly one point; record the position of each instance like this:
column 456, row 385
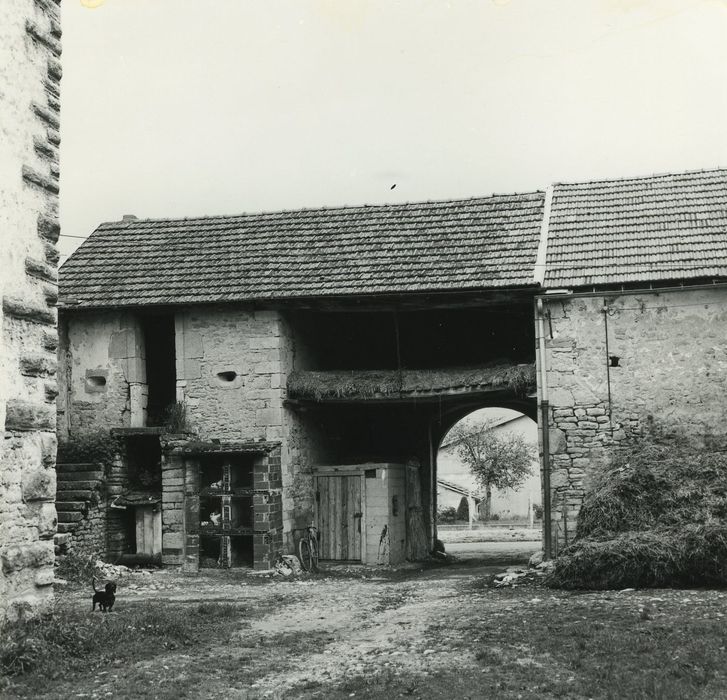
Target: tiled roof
column 488, row 242
column 648, row 229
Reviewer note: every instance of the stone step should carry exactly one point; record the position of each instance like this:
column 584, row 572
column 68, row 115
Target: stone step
column 67, row 528
column 76, row 485
column 77, row 467
column 75, row 495
column 61, row 538
column 70, row 477
column 72, row 517
column 71, row 505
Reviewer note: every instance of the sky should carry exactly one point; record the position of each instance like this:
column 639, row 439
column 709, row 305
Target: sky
column 174, row 108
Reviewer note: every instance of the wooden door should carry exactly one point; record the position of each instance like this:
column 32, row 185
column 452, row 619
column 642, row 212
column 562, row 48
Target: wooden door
column 338, row 501
column 148, row 530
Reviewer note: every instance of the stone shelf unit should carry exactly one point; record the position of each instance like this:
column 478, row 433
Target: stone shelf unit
column 240, row 484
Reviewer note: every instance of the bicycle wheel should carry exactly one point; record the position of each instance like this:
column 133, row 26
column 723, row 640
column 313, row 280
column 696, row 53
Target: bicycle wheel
column 313, row 548
column 305, row 555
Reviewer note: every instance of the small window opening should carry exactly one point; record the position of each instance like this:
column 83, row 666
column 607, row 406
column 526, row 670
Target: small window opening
column 395, row 506
column 228, row 376
column 614, row 360
column 96, row 381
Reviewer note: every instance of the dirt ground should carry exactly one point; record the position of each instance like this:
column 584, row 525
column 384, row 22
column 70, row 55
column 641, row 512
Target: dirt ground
column 436, row 631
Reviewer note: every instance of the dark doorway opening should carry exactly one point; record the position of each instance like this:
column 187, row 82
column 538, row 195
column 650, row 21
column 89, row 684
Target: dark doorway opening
column 144, row 462
column 161, row 371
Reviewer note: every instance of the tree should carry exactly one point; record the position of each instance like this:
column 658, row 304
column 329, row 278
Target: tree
column 498, row 460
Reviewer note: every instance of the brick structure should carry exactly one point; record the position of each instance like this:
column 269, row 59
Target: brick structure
column 30, row 76
column 238, row 482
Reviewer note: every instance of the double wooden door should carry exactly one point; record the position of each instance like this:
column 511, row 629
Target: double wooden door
column 338, row 501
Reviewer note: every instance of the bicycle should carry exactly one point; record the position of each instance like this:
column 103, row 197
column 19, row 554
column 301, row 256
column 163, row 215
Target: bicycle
column 308, row 549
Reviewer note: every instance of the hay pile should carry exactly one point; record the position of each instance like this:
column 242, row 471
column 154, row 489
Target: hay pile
column 365, row 384
column 657, row 518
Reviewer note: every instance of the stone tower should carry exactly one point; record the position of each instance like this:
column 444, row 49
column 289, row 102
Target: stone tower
column 30, row 74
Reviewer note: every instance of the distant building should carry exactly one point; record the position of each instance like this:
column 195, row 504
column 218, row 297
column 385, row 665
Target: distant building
column 454, row 478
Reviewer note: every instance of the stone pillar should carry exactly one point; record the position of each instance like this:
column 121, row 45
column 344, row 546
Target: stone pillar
column 180, row 489
column 267, row 510
column 30, row 74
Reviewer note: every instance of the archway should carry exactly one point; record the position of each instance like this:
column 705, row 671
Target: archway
column 500, row 519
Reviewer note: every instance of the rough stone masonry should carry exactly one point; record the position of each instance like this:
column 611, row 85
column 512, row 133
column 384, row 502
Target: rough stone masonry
column 627, row 365
column 30, row 74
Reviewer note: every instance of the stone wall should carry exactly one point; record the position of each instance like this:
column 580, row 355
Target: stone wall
column 81, row 506
column 671, row 378
column 102, row 374
column 258, row 348
column 89, row 539
column 30, row 75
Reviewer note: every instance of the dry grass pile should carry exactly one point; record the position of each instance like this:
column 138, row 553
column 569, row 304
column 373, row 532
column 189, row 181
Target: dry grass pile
column 340, row 384
column 657, row 518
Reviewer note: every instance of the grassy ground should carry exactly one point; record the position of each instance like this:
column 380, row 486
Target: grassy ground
column 429, row 633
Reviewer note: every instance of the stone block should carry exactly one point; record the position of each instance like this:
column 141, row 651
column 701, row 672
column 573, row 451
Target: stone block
column 269, row 367
column 44, row 577
column 38, row 365
column 121, row 344
column 172, row 517
column 25, row 415
column 192, row 369
column 269, row 417
column 39, row 485
column 557, row 441
column 596, row 411
column 27, row 311
column 172, row 540
column 32, row 555
column 193, row 347
column 47, row 520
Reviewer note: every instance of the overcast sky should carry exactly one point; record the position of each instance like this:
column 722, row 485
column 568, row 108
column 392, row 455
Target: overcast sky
column 176, row 108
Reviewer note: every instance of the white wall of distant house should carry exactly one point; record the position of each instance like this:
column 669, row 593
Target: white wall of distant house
column 507, row 503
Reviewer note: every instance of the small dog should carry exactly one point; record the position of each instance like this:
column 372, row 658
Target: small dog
column 105, row 598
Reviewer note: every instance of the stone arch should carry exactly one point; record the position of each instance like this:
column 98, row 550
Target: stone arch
column 450, row 415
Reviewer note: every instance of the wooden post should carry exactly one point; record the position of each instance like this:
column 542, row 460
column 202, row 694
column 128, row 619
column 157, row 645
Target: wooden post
column 530, row 511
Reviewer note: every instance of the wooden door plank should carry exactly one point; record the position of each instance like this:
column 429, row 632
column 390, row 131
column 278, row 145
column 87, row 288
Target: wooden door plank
column 148, row 531
column 343, row 525
column 359, row 525
column 324, row 516
column 157, row 527
column 352, row 519
column 139, row 515
column 335, row 512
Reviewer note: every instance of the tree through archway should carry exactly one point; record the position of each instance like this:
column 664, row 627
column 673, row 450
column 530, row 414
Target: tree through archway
column 490, row 459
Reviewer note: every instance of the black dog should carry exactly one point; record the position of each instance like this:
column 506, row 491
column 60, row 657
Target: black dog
column 105, row 598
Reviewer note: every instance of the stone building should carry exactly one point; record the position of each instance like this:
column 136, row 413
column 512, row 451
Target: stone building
column 291, row 342
column 634, row 340
column 257, row 370
column 30, row 76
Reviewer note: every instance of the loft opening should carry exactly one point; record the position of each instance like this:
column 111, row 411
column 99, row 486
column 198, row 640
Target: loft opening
column 160, row 360
column 421, row 339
